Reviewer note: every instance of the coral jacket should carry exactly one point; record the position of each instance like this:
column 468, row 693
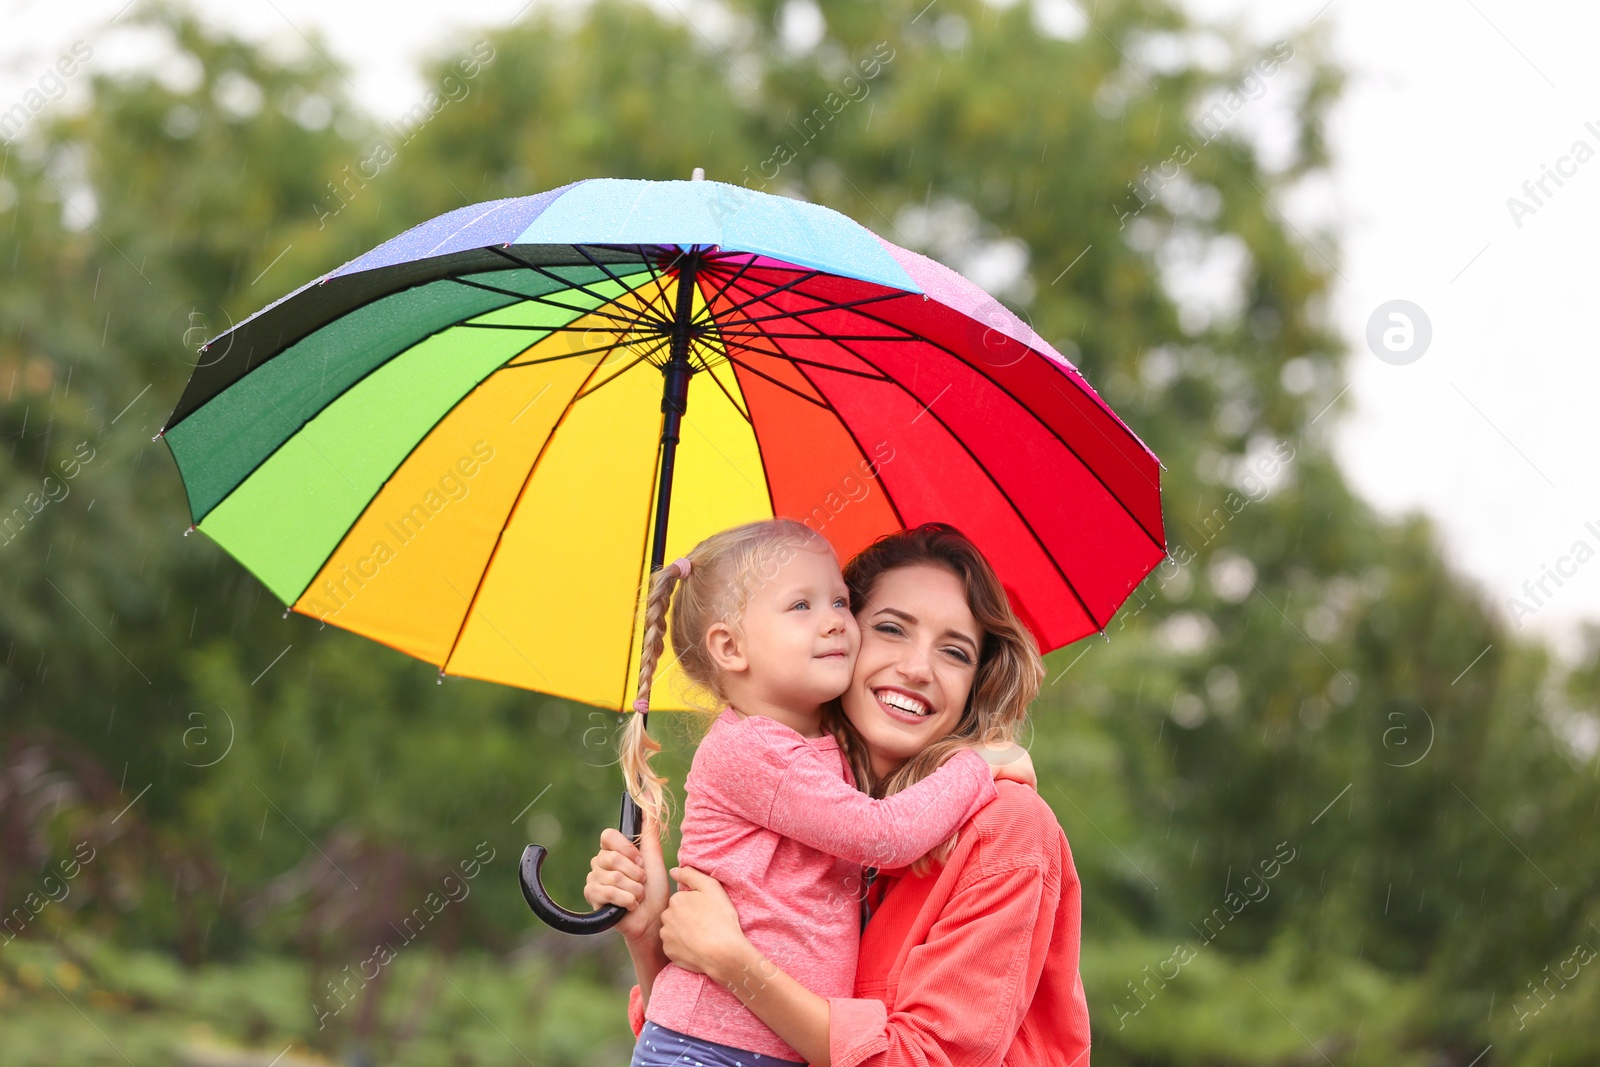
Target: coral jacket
column 976, row 962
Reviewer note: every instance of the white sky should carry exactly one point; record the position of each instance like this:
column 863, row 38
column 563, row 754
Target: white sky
column 1451, row 106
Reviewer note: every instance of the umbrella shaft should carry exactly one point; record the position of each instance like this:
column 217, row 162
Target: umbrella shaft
column 674, row 399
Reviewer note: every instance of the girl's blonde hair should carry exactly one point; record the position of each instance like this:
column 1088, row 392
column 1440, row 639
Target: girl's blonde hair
column 1009, row 673
column 724, row 570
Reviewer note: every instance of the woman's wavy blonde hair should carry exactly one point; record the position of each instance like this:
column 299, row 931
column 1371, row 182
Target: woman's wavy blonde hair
column 724, row 570
column 1009, row 673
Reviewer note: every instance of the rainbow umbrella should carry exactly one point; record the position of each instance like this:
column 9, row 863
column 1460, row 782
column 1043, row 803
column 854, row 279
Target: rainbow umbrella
column 476, row 441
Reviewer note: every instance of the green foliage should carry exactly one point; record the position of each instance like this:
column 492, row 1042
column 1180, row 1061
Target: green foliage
column 141, row 1005
column 1302, row 675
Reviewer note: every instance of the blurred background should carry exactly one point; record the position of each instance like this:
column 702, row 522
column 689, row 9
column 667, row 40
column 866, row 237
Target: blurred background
column 1365, row 680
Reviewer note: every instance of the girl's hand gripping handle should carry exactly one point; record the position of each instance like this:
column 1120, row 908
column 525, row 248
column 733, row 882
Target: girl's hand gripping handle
column 634, row 878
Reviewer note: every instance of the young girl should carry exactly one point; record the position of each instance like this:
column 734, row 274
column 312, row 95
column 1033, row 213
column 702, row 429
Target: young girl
column 761, row 622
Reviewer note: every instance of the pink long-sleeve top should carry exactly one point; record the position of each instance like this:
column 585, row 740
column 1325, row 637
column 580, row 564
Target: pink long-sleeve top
column 776, row 818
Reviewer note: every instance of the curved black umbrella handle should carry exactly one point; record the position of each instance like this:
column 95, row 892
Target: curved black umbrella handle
column 553, row 914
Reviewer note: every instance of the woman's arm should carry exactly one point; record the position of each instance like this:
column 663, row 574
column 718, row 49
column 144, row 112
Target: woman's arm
column 700, row 932
column 635, row 878
column 798, row 1016
column 649, row 960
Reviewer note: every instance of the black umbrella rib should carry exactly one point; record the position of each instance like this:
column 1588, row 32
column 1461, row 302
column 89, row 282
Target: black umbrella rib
column 730, row 349
column 826, row 336
column 544, row 298
column 621, row 321
column 825, row 305
column 1004, row 494
column 590, row 392
column 519, row 296
column 656, row 276
column 541, row 329
column 992, row 479
column 821, row 304
column 1026, row 407
column 1104, row 436
column 642, row 359
column 396, row 470
column 823, row 403
column 710, row 374
column 862, row 452
column 761, row 456
column 785, row 386
column 488, row 563
column 796, row 316
column 541, row 269
column 418, row 443
column 800, row 364
column 602, row 301
column 584, row 252
column 748, row 347
column 722, row 290
column 772, row 263
column 457, row 403
column 312, row 416
column 770, row 293
column 1042, row 421
column 509, row 365
column 778, row 351
column 801, row 361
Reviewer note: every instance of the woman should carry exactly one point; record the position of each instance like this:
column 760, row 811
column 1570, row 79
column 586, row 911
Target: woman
column 973, row 960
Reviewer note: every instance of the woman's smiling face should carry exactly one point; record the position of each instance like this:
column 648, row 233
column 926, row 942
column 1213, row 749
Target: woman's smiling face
column 919, row 655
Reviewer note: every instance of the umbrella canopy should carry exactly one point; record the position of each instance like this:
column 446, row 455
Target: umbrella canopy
column 459, row 444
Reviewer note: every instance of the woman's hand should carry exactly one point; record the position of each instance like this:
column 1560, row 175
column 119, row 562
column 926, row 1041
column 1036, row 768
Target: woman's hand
column 633, row 877
column 1011, row 762
column 700, row 930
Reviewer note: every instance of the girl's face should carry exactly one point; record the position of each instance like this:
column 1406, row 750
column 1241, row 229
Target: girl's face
column 795, row 646
column 919, row 656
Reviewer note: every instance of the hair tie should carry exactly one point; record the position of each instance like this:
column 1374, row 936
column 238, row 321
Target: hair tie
column 642, row 705
column 682, row 563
